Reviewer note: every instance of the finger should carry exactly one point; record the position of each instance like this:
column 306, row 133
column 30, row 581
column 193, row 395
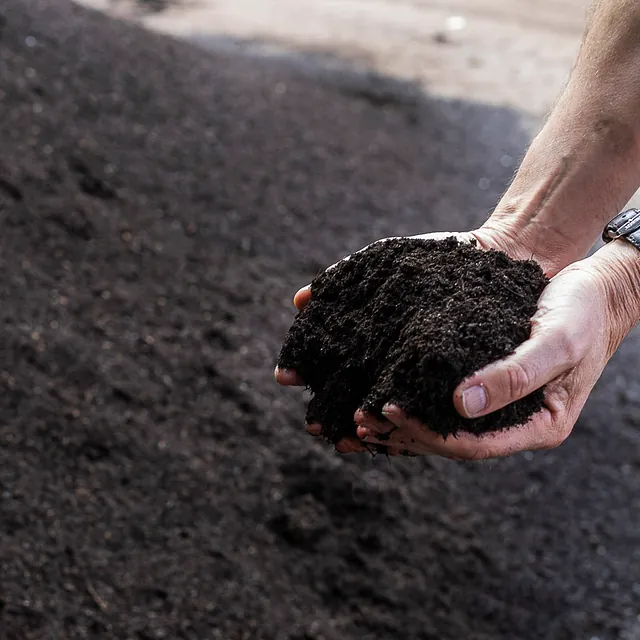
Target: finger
column 365, row 432
column 314, row 429
column 397, row 446
column 443, row 235
column 376, row 425
column 536, row 362
column 302, row 297
column 373, row 440
column 539, row 433
column 369, row 435
column 415, row 435
column 405, row 435
column 350, row 445
column 288, row 378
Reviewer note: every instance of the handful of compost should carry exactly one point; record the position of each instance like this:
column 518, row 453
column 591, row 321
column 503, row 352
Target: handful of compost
column 405, row 321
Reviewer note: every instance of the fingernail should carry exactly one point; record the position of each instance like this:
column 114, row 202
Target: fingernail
column 364, row 430
column 474, row 400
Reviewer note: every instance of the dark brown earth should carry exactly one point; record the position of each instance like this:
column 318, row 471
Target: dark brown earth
column 159, row 208
column 405, row 322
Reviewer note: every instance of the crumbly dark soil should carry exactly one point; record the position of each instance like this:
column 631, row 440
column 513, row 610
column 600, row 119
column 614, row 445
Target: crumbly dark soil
column 159, row 207
column 405, row 321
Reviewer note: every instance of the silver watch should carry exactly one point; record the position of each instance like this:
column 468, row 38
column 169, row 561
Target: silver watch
column 625, row 225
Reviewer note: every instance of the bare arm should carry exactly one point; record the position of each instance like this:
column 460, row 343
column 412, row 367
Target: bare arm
column 584, row 165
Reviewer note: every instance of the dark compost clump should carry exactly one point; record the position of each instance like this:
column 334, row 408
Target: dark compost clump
column 405, row 321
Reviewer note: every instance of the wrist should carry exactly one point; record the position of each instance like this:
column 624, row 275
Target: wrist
column 579, row 172
column 617, row 265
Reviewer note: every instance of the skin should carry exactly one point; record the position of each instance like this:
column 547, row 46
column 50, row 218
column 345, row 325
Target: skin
column 580, row 170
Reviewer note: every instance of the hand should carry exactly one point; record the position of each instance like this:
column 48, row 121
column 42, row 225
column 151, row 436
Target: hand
column 583, row 316
column 485, row 239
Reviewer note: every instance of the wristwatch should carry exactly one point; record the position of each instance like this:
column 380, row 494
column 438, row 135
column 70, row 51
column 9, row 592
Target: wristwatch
column 624, row 225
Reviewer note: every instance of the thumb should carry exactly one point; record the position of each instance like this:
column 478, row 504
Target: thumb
column 533, row 364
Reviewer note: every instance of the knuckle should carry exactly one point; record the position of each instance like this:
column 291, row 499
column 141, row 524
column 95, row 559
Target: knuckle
column 558, row 397
column 518, row 379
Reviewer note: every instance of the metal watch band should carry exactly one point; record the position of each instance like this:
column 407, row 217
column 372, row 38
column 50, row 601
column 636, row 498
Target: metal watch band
column 625, row 225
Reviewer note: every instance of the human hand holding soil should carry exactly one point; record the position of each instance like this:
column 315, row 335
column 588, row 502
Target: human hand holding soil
column 290, row 377
column 583, row 316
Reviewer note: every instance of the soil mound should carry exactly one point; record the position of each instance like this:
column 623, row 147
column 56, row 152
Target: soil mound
column 405, row 321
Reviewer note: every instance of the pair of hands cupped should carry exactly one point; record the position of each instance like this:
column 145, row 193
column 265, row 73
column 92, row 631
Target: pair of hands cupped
column 574, row 333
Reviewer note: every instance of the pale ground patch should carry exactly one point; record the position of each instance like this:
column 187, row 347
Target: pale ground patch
column 508, row 52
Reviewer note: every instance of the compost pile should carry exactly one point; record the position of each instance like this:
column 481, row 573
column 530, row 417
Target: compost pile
column 405, row 321
column 160, row 205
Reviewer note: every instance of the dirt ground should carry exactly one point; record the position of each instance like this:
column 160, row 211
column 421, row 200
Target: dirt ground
column 160, row 205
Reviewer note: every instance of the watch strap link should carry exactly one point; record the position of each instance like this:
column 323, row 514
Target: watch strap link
column 624, row 225
column 634, row 239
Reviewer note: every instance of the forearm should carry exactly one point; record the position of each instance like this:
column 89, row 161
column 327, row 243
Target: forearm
column 583, row 166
